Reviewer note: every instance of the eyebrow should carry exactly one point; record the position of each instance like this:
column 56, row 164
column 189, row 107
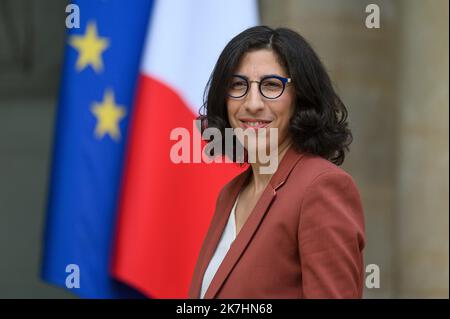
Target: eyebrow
column 262, row 77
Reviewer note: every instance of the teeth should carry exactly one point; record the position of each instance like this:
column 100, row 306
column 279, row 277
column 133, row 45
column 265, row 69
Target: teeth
column 254, row 123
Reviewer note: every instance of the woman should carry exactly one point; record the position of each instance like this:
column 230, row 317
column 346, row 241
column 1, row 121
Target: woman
column 298, row 232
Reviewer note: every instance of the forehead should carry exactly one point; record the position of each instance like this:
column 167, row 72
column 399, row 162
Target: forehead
column 259, row 63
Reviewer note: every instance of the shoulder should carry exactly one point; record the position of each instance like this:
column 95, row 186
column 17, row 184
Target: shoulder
column 315, row 179
column 313, row 170
column 330, row 194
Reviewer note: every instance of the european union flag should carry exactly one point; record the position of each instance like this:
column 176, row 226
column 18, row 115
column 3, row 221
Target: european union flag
column 96, row 95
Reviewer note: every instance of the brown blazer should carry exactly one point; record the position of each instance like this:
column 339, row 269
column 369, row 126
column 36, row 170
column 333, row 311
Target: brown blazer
column 304, row 238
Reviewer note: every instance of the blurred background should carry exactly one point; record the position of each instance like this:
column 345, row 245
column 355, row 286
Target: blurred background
column 393, row 79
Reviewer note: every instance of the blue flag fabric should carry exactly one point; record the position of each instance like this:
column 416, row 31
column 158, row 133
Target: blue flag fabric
column 99, row 75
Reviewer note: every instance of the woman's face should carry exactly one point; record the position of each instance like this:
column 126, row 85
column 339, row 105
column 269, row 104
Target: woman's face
column 253, row 107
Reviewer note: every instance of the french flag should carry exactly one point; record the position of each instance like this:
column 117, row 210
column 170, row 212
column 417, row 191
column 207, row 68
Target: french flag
column 135, row 226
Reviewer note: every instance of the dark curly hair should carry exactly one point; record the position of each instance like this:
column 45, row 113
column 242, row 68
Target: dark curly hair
column 319, row 123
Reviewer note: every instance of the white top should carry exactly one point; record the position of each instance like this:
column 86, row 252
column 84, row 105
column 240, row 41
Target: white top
column 228, row 236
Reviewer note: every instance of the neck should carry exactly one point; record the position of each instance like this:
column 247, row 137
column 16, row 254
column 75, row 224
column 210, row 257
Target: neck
column 258, row 181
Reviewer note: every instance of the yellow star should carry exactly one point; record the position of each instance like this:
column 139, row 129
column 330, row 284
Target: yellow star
column 90, row 48
column 108, row 115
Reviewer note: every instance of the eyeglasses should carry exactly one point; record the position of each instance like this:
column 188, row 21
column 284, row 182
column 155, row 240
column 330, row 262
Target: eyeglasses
column 271, row 86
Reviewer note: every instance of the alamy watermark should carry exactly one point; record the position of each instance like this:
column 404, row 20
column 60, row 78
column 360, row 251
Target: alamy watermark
column 73, row 277
column 261, row 146
column 73, row 17
column 373, row 18
column 372, row 278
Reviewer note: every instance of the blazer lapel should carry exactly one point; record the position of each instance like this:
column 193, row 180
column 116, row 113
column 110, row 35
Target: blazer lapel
column 249, row 228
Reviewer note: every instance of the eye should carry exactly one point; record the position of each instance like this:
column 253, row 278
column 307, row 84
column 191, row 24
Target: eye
column 238, row 84
column 272, row 84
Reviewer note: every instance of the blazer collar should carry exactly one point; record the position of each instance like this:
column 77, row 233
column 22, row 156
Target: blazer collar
column 245, row 235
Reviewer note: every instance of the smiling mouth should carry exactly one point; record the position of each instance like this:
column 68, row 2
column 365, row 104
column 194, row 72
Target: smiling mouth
column 255, row 124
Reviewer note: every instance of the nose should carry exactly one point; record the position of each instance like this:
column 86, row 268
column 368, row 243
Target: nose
column 253, row 99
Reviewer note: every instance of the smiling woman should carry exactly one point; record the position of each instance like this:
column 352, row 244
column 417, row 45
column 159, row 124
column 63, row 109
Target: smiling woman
column 297, row 232
column 266, row 105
